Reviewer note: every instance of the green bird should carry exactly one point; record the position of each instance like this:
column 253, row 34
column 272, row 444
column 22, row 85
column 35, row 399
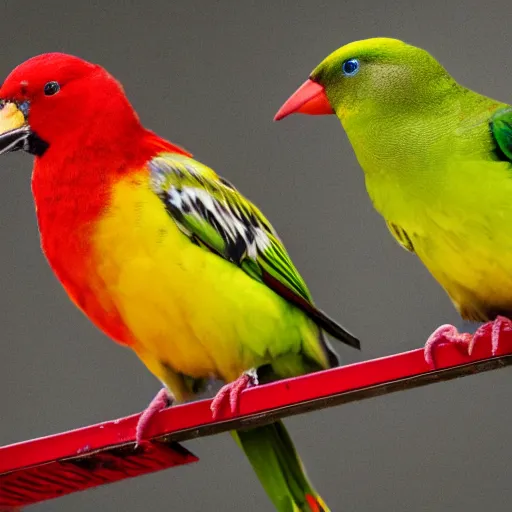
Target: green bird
column 437, row 160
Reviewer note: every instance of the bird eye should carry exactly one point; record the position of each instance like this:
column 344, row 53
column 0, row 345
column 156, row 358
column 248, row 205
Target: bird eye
column 51, row 88
column 350, row 67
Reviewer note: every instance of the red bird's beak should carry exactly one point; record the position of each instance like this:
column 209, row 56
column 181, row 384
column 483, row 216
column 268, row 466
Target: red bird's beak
column 309, row 98
column 14, row 130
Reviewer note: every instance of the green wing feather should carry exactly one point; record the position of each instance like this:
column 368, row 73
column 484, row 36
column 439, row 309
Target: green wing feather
column 400, row 236
column 501, row 128
column 213, row 214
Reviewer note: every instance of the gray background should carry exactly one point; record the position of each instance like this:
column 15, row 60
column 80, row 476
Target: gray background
column 210, row 76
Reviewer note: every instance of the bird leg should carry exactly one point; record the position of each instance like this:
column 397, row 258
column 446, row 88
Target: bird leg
column 231, row 392
column 163, row 399
column 491, row 330
column 448, row 334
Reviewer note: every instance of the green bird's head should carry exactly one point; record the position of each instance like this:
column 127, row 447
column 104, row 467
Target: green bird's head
column 400, row 110
column 369, row 76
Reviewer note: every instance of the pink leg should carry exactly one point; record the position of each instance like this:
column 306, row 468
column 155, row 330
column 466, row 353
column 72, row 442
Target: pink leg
column 449, row 334
column 442, row 336
column 231, row 393
column 492, row 330
column 162, row 400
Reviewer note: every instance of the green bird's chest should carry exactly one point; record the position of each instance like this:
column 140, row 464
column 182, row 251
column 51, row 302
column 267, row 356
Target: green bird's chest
column 446, row 197
column 414, row 163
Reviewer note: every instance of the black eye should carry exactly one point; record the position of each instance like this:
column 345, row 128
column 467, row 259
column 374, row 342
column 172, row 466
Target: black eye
column 350, row 67
column 51, row 88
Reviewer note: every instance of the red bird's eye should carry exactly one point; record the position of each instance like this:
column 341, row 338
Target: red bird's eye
column 51, row 88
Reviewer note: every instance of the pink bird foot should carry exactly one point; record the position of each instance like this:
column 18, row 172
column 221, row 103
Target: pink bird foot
column 162, row 400
column 447, row 334
column 231, row 393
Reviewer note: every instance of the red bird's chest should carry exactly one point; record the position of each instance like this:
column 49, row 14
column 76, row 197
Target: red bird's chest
column 72, row 184
column 67, row 210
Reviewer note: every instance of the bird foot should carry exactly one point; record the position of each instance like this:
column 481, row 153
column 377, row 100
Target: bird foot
column 448, row 334
column 162, row 400
column 231, row 393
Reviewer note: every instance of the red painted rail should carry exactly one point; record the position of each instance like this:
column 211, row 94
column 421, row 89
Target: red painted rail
column 53, row 466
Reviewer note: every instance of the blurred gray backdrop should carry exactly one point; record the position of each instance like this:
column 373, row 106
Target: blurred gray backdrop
column 210, row 75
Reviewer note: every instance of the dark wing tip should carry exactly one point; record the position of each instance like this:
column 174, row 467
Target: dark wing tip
column 319, row 317
column 334, row 329
column 352, row 341
column 340, row 333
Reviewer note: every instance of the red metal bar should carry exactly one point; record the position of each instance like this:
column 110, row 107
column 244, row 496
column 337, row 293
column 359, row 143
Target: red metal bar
column 63, row 476
column 60, row 464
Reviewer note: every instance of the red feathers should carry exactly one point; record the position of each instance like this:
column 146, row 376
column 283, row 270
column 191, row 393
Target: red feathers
column 313, row 504
column 94, row 138
column 39, row 70
column 90, row 108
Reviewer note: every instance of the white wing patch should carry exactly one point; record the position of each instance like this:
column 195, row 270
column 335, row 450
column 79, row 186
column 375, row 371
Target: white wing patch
column 229, row 222
column 242, row 233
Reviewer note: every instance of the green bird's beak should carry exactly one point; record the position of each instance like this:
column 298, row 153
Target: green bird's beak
column 309, row 98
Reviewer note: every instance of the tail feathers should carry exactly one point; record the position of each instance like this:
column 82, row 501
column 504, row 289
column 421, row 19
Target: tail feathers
column 273, row 457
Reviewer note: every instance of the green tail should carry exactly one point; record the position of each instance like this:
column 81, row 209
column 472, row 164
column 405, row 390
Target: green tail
column 273, row 457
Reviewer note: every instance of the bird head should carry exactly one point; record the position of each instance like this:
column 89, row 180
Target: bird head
column 372, row 75
column 54, row 98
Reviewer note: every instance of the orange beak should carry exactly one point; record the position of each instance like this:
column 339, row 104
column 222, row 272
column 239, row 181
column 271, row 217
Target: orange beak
column 309, row 98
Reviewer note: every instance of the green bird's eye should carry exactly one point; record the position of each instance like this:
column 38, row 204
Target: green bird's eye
column 51, row 88
column 350, row 67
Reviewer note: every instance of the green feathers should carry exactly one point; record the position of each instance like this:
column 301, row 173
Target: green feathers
column 501, row 127
column 278, row 466
column 391, row 75
column 213, row 214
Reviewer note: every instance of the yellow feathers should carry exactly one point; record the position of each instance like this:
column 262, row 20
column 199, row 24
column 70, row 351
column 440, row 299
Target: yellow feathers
column 187, row 308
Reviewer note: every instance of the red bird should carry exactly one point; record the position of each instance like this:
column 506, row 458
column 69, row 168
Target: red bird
column 165, row 256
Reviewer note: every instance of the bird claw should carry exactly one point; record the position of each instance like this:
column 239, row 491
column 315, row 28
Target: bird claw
column 162, row 400
column 491, row 330
column 231, row 393
column 444, row 335
column 448, row 334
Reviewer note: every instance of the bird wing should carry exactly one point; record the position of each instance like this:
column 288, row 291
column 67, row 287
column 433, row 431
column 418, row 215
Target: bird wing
column 214, row 215
column 401, row 236
column 501, row 129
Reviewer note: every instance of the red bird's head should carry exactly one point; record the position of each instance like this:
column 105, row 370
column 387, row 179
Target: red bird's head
column 58, row 99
